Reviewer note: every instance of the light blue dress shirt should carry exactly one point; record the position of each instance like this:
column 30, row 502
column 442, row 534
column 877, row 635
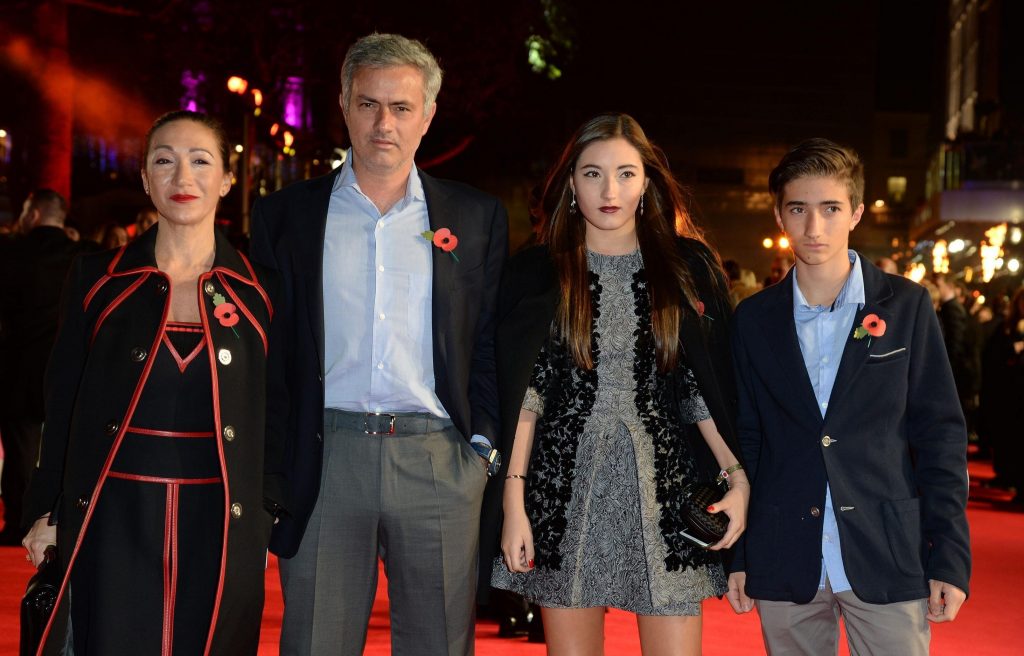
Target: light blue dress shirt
column 378, row 339
column 823, row 332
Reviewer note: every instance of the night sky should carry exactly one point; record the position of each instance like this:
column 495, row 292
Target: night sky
column 713, row 83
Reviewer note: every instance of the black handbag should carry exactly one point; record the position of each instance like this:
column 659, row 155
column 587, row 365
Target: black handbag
column 37, row 604
column 701, row 527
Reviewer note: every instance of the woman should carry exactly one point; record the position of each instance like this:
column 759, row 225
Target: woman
column 152, row 466
column 612, row 344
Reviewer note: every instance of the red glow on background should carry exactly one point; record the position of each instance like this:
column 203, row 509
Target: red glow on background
column 100, row 108
column 448, row 154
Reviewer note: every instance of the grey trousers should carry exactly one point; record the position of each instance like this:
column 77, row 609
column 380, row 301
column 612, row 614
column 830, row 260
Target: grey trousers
column 812, row 629
column 410, row 499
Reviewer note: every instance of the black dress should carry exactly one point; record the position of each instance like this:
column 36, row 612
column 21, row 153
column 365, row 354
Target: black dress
column 146, row 576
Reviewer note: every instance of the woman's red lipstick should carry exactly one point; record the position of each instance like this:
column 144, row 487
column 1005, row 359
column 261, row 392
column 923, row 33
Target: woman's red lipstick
column 609, row 209
column 183, row 198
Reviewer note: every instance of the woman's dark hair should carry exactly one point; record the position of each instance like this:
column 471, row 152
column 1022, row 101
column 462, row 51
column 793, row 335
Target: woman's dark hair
column 665, row 216
column 202, row 119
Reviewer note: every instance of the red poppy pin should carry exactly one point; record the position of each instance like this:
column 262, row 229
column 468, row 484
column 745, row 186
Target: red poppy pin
column 872, row 326
column 443, row 239
column 225, row 312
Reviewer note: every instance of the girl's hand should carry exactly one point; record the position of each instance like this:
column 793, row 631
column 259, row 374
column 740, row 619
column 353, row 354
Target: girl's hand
column 517, row 542
column 734, row 505
column 41, row 536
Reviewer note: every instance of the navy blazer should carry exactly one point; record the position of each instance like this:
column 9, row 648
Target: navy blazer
column 892, row 446
column 288, row 235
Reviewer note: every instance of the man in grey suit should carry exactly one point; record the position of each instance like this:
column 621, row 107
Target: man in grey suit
column 382, row 372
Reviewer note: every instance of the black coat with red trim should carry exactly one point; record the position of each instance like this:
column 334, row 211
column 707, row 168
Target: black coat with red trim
column 114, row 309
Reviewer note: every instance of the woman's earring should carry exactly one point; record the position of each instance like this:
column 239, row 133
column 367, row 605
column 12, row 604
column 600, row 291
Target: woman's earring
column 641, row 205
column 572, row 204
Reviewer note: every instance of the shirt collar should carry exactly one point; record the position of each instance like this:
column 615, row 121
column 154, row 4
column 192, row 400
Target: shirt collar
column 852, row 291
column 347, row 178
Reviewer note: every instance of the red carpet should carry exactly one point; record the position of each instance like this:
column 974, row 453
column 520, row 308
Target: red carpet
column 988, row 625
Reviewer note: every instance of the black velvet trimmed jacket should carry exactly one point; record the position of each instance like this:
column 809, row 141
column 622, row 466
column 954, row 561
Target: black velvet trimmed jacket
column 527, row 303
column 114, row 309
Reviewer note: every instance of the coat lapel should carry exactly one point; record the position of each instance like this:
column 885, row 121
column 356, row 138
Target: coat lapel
column 442, row 213
column 779, row 331
column 318, row 203
column 877, row 289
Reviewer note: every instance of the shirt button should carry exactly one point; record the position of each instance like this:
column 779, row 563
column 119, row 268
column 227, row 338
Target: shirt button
column 229, row 433
column 82, row 503
column 381, row 316
column 111, row 427
column 224, row 356
column 138, row 354
column 380, row 365
column 825, row 359
column 380, row 267
column 236, row 510
column 824, row 404
column 815, row 511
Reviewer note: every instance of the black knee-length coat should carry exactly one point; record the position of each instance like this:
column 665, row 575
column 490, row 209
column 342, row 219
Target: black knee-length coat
column 115, row 306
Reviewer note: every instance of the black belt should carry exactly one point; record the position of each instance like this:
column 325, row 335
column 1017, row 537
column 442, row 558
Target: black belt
column 385, row 423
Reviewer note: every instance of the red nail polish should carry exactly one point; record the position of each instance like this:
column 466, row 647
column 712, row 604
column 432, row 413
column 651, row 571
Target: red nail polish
column 711, row 509
column 531, row 563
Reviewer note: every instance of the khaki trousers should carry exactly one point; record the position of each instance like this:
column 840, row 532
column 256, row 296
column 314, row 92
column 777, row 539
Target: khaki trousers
column 812, row 629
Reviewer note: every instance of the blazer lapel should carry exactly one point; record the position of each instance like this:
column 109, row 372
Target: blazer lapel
column 318, row 203
column 876, row 290
column 442, row 214
column 779, row 331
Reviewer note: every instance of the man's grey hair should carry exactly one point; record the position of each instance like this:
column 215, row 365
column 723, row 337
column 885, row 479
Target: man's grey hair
column 386, row 51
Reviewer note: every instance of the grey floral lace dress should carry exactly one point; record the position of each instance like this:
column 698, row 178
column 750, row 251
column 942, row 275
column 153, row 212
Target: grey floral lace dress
column 612, row 551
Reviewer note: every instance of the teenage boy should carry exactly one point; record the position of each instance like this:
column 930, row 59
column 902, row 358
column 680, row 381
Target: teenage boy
column 852, row 433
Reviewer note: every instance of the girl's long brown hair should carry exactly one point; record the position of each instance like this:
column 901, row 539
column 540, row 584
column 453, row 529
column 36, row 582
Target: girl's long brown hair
column 664, row 217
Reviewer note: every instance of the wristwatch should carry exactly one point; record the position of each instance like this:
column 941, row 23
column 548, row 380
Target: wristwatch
column 490, row 454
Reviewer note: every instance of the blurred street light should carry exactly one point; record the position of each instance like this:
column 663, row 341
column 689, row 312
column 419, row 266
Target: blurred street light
column 237, row 84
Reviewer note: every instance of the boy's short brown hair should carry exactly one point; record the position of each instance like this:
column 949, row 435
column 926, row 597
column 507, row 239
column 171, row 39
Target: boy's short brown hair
column 819, row 158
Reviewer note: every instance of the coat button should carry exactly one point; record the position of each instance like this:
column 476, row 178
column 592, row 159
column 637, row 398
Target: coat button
column 224, row 356
column 138, row 354
column 162, row 287
column 827, row 441
column 82, row 503
column 229, row 433
column 815, row 511
column 209, row 288
column 319, row 437
column 111, row 427
column 236, row 510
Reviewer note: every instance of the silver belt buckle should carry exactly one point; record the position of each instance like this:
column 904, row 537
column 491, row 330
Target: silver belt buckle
column 391, row 425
